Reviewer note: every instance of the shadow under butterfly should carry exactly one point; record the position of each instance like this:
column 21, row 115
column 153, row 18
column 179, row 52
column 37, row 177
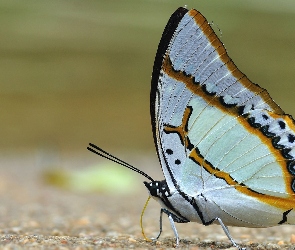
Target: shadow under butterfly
column 226, row 149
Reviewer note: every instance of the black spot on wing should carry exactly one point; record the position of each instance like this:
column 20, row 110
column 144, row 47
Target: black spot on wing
column 169, row 151
column 291, row 138
column 282, row 124
column 177, row 162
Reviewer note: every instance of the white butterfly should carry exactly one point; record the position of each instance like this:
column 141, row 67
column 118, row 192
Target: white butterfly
column 227, row 150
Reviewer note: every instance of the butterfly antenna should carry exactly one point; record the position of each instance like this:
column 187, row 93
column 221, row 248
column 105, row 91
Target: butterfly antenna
column 97, row 150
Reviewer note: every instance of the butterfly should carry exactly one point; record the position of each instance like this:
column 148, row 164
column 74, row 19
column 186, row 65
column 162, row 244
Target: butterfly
column 226, row 149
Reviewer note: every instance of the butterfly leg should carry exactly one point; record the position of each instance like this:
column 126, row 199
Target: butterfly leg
column 174, row 228
column 160, row 220
column 172, row 218
column 226, row 231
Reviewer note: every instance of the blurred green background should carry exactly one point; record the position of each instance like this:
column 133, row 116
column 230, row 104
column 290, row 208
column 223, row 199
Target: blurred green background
column 73, row 71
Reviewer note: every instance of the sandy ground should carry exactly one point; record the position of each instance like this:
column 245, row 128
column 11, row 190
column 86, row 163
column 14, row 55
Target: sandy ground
column 37, row 216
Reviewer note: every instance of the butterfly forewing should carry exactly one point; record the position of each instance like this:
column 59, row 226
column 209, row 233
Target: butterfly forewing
column 216, row 132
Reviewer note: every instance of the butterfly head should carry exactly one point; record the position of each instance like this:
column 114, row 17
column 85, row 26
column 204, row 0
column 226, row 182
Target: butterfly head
column 158, row 189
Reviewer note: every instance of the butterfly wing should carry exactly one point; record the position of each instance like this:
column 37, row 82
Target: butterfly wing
column 160, row 103
column 213, row 128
